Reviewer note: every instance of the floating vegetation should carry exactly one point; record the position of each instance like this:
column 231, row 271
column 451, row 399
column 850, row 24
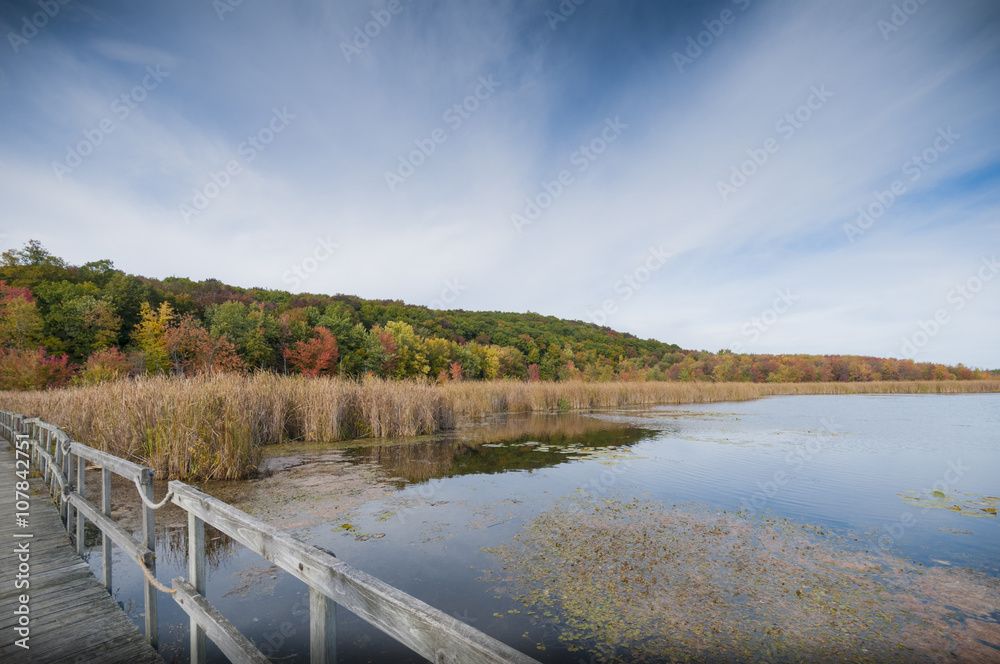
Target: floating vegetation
column 638, row 581
column 364, row 537
column 966, row 504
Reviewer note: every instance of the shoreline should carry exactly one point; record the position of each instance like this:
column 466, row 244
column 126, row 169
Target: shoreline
column 216, row 426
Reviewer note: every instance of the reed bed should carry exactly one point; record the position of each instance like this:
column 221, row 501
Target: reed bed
column 215, row 427
column 477, row 399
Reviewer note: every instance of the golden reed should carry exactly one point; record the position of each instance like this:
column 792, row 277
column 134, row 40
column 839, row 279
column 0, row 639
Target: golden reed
column 214, row 427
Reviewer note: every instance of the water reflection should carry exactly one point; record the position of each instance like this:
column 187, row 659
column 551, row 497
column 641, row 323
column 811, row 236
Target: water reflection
column 514, row 442
column 433, row 515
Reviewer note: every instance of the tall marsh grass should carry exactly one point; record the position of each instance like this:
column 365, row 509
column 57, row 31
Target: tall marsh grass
column 214, row 427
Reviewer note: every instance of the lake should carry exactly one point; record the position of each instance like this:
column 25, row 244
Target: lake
column 823, row 528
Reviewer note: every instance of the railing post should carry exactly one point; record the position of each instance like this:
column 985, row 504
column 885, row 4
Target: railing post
column 196, row 572
column 66, row 468
column 322, row 628
column 56, row 468
column 81, row 488
column 105, row 539
column 149, row 539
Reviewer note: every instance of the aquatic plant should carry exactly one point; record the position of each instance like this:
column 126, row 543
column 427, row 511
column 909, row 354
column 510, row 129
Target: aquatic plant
column 642, row 581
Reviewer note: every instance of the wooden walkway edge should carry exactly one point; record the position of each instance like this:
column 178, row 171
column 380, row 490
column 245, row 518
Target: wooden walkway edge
column 71, row 617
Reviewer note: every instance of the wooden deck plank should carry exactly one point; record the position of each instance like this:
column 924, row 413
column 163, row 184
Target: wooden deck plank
column 72, row 616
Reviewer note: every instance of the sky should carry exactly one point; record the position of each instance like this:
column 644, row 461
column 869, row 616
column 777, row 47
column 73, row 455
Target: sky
column 766, row 176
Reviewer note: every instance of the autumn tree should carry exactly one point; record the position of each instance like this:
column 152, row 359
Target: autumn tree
column 149, row 336
column 411, row 356
column 380, row 352
column 317, row 356
column 20, row 322
column 106, row 365
column 193, row 350
column 34, row 370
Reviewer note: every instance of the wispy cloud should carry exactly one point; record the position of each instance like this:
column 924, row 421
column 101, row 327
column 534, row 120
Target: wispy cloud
column 885, row 102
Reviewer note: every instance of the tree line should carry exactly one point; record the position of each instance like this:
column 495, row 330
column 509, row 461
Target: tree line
column 64, row 324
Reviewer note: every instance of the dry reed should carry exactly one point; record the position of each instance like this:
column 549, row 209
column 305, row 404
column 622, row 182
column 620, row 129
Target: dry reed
column 214, row 427
column 477, row 399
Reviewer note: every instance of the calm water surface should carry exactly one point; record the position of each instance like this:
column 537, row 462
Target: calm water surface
column 428, row 515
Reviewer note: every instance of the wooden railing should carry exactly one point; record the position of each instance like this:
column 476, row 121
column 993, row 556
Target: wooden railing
column 427, row 631
column 57, row 456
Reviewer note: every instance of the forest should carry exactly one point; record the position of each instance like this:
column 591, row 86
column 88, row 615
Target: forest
column 63, row 324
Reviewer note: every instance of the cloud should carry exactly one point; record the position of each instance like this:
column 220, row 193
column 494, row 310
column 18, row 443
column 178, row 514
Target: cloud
column 134, row 53
column 885, row 99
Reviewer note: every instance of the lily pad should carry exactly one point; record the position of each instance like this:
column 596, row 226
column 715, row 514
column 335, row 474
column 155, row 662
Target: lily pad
column 966, row 504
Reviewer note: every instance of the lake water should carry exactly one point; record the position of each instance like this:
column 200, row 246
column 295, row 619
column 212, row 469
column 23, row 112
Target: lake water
column 793, row 528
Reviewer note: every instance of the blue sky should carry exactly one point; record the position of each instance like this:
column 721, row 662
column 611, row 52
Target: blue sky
column 692, row 172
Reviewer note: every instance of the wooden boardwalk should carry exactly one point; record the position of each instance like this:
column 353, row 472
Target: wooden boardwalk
column 72, row 618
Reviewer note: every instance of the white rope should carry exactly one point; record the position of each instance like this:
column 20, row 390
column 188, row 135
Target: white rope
column 145, row 501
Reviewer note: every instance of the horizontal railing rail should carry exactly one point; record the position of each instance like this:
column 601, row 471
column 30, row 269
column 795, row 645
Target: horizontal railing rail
column 427, row 631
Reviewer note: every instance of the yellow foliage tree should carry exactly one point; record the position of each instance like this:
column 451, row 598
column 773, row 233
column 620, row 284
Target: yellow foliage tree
column 148, row 336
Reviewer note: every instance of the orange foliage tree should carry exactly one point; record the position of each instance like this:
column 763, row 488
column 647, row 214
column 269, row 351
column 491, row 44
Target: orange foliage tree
column 317, row 356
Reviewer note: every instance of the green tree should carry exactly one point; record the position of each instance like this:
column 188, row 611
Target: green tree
column 126, row 295
column 84, row 325
column 411, row 356
column 380, row 352
column 252, row 329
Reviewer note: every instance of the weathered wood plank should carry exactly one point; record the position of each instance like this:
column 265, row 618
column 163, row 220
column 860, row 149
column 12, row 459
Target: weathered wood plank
column 322, row 628
column 429, row 632
column 118, row 535
column 149, row 540
column 231, row 642
column 105, row 538
column 196, row 571
column 127, row 469
column 72, row 617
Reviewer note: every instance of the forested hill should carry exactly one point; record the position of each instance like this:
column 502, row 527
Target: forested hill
column 62, row 323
